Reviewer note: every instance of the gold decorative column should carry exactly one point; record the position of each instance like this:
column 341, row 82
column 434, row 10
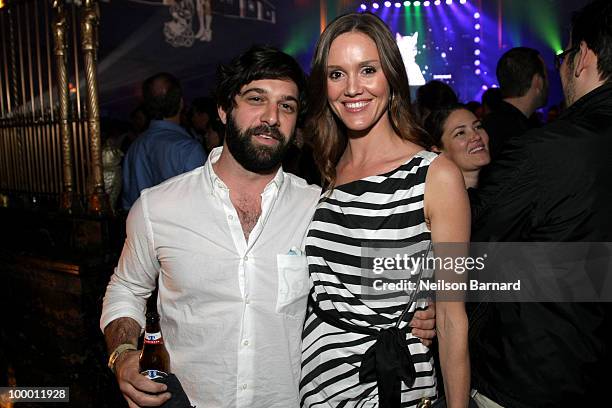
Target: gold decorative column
column 98, row 200
column 68, row 201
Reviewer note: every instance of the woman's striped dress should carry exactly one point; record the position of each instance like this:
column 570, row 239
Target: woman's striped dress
column 365, row 213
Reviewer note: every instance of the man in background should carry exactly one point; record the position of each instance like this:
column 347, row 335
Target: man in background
column 165, row 149
column 203, row 123
column 523, row 82
column 553, row 185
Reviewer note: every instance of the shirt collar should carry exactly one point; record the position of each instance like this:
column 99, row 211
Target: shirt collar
column 166, row 124
column 511, row 109
column 216, row 182
column 597, row 97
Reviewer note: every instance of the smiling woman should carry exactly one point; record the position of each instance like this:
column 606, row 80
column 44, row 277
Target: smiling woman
column 382, row 186
column 357, row 88
column 361, row 78
column 459, row 135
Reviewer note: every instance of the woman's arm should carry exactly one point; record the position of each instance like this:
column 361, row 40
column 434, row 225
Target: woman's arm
column 447, row 210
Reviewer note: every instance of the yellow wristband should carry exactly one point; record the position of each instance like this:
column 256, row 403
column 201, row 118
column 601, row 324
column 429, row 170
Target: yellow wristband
column 117, row 352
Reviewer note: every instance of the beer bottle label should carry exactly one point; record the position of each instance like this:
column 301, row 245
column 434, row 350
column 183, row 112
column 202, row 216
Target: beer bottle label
column 153, row 374
column 153, row 338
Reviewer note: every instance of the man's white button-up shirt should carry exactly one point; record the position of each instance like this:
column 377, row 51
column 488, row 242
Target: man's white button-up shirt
column 231, row 310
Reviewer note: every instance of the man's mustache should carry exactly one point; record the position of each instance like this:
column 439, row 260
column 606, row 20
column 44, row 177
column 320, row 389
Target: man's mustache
column 266, row 130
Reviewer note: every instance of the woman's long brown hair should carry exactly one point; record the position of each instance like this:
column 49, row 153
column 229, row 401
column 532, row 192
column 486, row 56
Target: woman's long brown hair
column 326, row 129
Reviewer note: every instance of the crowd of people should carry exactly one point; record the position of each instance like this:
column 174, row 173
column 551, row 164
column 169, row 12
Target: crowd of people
column 264, row 290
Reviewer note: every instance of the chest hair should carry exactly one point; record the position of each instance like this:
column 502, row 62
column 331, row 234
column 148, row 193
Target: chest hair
column 248, row 208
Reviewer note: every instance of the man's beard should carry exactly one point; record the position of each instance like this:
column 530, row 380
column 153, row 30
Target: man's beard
column 569, row 91
column 568, row 83
column 254, row 158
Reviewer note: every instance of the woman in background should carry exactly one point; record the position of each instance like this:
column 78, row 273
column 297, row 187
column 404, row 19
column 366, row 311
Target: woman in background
column 459, row 135
column 381, row 185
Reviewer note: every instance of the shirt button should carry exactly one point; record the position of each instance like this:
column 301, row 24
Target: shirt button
column 247, row 300
column 245, row 343
column 246, row 258
column 230, row 217
column 244, row 386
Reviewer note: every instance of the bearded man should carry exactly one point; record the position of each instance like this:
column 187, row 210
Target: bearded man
column 225, row 242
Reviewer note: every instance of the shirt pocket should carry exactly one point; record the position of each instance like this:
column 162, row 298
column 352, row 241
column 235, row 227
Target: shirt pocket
column 293, row 285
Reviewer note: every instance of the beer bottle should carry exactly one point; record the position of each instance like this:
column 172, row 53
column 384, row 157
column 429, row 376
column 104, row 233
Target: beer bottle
column 154, row 358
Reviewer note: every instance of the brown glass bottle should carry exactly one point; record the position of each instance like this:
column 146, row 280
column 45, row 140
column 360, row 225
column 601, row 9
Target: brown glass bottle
column 154, row 358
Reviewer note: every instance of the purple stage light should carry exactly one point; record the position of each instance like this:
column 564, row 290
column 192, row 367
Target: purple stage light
column 426, row 3
column 387, row 4
column 375, row 6
column 477, row 71
column 398, row 5
column 476, row 26
column 443, row 55
column 363, row 7
column 484, row 87
column 476, row 15
column 476, row 52
column 462, row 1
column 476, row 40
column 437, row 2
column 449, row 2
column 494, row 86
column 477, row 62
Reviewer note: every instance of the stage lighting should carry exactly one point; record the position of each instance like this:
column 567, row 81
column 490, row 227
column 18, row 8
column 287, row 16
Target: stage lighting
column 476, row 40
column 494, row 86
column 462, row 1
column 363, row 7
column 476, row 52
column 426, row 3
column 398, row 5
column 484, row 87
column 375, row 6
column 477, row 71
column 477, row 62
column 406, row 4
column 437, row 2
column 477, row 26
column 417, row 3
column 449, row 2
column 443, row 55
column 387, row 4
column 476, row 15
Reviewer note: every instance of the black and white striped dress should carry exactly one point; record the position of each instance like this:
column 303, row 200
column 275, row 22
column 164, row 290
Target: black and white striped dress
column 383, row 208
